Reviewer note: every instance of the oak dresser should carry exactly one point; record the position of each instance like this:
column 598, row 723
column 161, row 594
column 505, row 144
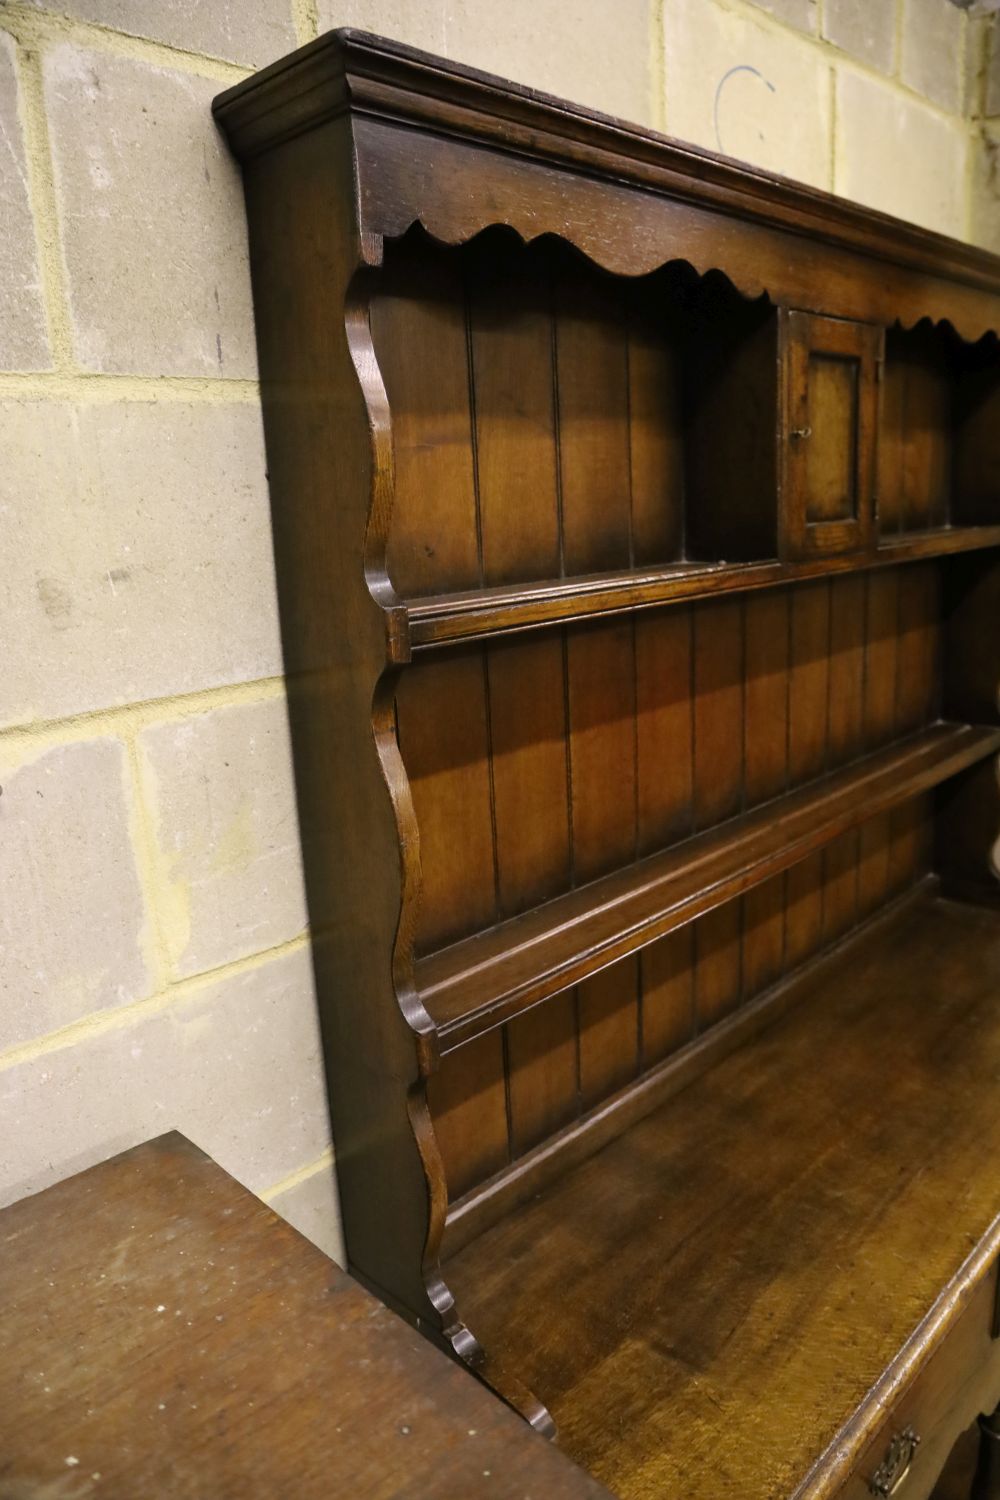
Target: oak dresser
column 637, row 523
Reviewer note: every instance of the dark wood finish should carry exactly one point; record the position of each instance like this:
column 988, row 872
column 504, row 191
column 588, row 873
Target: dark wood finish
column 830, row 410
column 484, row 980
column 165, row 1334
column 458, row 617
column 637, row 528
column 777, row 1334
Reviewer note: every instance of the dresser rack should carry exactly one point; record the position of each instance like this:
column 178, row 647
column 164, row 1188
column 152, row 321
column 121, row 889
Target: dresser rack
column 637, row 525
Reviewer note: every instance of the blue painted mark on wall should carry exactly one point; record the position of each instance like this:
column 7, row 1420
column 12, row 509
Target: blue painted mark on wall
column 731, row 73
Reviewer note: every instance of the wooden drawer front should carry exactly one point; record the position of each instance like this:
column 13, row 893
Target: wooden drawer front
column 828, row 434
column 961, row 1379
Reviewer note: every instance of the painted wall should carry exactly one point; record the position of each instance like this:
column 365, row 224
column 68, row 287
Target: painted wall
column 154, row 959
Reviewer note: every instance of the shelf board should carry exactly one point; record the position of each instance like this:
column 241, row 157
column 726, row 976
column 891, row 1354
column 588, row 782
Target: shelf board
column 816, row 1194
column 446, row 619
column 483, row 981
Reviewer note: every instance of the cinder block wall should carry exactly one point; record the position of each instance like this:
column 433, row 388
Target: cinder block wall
column 155, row 964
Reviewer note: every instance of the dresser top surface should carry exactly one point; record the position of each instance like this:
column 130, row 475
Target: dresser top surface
column 165, row 1333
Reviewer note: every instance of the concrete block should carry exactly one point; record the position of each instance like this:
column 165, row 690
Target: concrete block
column 138, row 559
column 800, row 13
column 588, row 52
column 419, row 23
column 222, row 802
column 934, row 51
column 235, row 1066
column 990, row 62
column 250, row 32
column 23, row 337
column 72, row 923
column 585, row 52
column 879, row 132
column 985, row 216
column 312, row 1207
column 152, row 218
column 864, row 28
column 748, row 89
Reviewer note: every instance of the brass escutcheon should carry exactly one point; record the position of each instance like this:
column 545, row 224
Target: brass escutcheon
column 896, row 1465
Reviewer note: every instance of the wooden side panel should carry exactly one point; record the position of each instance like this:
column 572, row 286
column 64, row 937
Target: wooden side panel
column 513, row 400
column 664, row 727
column 418, row 324
column 601, row 675
column 718, row 711
column 592, row 374
column 446, row 754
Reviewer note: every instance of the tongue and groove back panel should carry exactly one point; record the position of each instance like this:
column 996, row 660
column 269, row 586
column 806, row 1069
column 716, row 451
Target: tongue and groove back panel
column 550, row 420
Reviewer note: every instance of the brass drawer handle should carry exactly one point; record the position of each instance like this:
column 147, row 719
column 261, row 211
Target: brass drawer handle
column 896, row 1465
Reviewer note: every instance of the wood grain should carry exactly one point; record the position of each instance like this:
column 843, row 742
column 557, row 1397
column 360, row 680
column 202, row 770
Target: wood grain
column 876, row 1097
column 164, row 1333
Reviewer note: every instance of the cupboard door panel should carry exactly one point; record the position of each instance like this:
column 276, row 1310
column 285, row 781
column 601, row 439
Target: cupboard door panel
column 828, row 436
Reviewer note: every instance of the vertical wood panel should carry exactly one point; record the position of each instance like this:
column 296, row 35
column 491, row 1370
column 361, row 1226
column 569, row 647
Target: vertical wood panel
column 511, row 334
column 873, row 863
column 763, row 935
column 880, row 657
column 663, row 730
column 910, row 841
column 656, row 438
column 602, row 747
column 468, row 1106
column 803, row 909
column 419, row 331
column 766, row 723
column 919, row 646
column 608, row 1008
column 718, row 972
column 592, row 368
column 809, row 684
column 542, row 1083
column 530, row 772
column 667, row 994
column 840, row 895
column 847, row 669
column 446, row 757
column 718, row 711
column 889, row 488
column 926, row 447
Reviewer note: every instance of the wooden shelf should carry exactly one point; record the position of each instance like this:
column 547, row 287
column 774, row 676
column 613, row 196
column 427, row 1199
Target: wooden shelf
column 731, row 1283
column 479, row 983
column 447, row 619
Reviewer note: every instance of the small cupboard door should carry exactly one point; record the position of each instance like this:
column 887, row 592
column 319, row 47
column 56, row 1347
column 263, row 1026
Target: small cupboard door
column 828, row 434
